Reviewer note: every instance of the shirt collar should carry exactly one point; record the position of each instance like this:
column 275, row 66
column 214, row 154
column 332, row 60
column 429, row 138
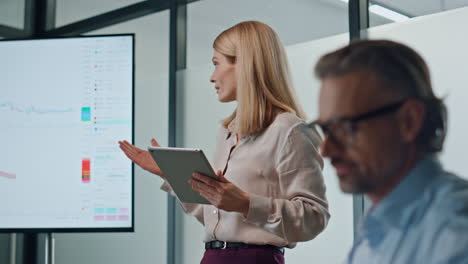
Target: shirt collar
column 232, row 127
column 396, row 208
column 232, row 130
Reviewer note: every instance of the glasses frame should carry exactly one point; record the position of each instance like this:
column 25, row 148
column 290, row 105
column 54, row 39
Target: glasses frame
column 348, row 124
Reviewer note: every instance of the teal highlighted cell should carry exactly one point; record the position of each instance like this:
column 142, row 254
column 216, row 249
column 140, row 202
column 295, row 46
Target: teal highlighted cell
column 111, row 210
column 85, row 113
column 99, row 210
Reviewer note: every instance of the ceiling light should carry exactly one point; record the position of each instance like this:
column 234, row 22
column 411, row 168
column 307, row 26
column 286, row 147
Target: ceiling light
column 387, row 13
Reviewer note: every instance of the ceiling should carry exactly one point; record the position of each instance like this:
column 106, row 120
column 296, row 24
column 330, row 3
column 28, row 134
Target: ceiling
column 311, row 12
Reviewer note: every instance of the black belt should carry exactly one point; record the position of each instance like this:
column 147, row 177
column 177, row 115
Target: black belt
column 222, row 245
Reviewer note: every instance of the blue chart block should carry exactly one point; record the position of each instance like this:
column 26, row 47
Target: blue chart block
column 86, row 114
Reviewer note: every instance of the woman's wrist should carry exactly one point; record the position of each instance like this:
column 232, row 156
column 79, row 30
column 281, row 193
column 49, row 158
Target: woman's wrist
column 155, row 171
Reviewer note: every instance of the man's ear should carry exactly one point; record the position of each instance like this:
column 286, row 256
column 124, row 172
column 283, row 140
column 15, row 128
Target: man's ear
column 411, row 117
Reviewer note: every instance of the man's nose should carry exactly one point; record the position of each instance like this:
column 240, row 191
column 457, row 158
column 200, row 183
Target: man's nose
column 329, row 147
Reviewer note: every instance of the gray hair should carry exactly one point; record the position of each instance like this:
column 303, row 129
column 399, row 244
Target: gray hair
column 399, row 67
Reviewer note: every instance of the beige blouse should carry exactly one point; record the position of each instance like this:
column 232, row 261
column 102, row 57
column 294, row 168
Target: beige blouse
column 280, row 168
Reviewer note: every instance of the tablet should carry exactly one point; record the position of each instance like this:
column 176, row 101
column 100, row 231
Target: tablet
column 178, row 165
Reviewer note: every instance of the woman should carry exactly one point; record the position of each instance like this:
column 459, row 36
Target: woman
column 270, row 192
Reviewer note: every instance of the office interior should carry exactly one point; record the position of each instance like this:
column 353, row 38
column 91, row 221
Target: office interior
column 176, row 103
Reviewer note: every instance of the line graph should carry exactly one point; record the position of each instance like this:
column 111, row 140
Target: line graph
column 7, row 175
column 29, row 109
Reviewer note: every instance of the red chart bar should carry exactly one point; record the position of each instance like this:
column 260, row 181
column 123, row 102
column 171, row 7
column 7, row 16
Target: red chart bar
column 85, row 170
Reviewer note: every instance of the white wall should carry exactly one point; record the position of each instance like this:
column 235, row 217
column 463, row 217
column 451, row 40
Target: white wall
column 442, row 40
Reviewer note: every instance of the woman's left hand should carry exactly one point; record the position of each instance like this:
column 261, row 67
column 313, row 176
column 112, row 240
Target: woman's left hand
column 222, row 193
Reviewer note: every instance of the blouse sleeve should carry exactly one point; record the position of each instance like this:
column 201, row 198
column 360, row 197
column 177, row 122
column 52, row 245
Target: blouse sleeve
column 301, row 210
column 195, row 210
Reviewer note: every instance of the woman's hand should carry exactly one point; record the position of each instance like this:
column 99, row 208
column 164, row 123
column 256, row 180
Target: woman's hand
column 223, row 194
column 141, row 157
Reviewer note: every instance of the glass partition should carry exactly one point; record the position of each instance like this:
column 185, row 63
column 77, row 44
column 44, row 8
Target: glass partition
column 69, row 11
column 148, row 244
column 300, row 25
column 12, row 13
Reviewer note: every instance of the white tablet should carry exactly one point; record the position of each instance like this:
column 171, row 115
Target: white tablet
column 178, row 165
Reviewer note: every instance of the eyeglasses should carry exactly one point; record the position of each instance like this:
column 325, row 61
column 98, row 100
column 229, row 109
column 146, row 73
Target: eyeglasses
column 341, row 130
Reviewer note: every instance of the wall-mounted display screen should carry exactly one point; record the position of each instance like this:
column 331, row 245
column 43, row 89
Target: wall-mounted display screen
column 64, row 104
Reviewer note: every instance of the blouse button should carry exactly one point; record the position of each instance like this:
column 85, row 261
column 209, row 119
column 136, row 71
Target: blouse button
column 215, row 211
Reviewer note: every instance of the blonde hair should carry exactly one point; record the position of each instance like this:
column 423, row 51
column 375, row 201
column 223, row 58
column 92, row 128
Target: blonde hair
column 263, row 84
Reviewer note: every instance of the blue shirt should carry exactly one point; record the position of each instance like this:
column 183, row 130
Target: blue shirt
column 424, row 220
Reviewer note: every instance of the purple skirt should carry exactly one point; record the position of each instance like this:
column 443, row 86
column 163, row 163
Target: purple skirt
column 236, row 255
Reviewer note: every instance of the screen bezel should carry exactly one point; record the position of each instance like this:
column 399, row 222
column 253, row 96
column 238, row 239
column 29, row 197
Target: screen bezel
column 89, row 229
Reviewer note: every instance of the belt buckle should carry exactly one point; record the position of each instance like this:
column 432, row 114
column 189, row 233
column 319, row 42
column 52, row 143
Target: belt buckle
column 224, row 245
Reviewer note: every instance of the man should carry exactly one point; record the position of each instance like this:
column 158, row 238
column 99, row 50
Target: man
column 382, row 125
